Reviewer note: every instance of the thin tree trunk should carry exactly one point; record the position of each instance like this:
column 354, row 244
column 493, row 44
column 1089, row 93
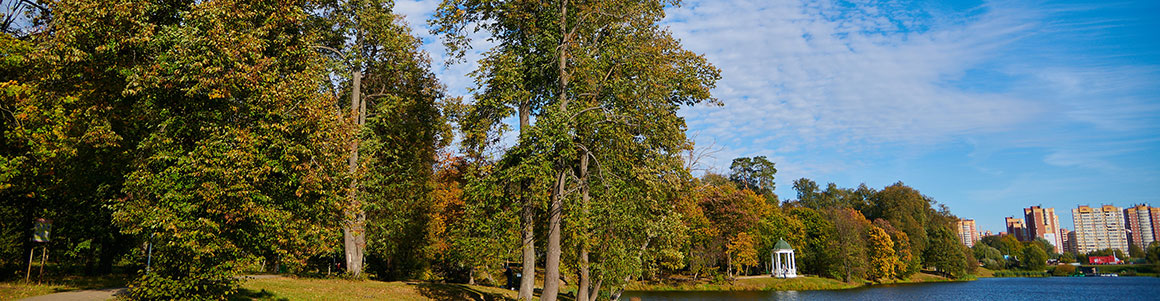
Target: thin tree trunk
column 595, row 290
column 354, row 228
column 527, row 218
column 582, row 290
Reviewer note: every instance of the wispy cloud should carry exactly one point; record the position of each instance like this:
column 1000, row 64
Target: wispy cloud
column 843, row 75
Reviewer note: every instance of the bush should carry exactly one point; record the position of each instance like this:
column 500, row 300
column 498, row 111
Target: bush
column 1021, row 274
column 1063, row 270
column 154, row 286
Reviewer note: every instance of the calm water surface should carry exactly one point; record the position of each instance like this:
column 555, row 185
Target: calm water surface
column 1057, row 288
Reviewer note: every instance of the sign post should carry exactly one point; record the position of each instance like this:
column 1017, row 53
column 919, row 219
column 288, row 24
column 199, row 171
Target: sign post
column 40, row 235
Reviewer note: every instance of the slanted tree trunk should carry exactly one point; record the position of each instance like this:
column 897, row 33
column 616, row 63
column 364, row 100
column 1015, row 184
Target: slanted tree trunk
column 552, row 263
column 527, row 220
column 354, row 227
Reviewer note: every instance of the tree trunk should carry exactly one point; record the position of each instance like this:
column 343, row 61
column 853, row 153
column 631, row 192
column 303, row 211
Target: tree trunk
column 354, row 228
column 582, row 291
column 595, row 291
column 552, row 263
column 527, row 218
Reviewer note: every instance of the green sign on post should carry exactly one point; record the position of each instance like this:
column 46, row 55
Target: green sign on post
column 43, row 226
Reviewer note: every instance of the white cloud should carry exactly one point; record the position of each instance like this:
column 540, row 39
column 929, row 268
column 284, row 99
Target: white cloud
column 835, row 75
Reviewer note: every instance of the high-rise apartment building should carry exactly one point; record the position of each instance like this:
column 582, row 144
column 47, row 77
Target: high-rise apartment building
column 967, row 234
column 1099, row 228
column 1141, row 222
column 1067, row 240
column 1042, row 223
column 1015, row 226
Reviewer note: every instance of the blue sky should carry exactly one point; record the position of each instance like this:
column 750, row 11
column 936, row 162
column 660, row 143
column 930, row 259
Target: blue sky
column 986, row 106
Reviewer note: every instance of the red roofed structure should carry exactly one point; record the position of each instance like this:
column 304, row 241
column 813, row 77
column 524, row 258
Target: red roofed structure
column 1103, row 260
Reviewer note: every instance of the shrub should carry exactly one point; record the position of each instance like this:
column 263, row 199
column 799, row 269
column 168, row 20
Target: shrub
column 1063, row 270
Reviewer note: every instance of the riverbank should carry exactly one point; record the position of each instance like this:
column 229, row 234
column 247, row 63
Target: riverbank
column 766, row 283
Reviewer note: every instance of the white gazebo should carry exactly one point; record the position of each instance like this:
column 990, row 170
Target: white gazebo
column 782, row 256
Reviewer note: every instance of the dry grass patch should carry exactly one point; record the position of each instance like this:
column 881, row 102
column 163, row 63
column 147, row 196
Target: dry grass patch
column 289, row 288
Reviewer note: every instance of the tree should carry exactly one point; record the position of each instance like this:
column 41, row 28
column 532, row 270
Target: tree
column 1067, row 257
column 241, row 155
column 756, row 174
column 1153, row 253
column 815, row 255
column 849, row 242
column 742, row 253
column 990, row 257
column 1135, row 251
column 396, row 106
column 579, row 68
column 1034, row 258
column 1009, row 245
column 880, row 249
column 1044, row 244
column 906, row 209
column 808, row 194
column 945, row 253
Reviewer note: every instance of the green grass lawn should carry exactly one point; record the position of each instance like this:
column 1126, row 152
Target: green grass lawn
column 290, row 288
column 748, row 284
column 13, row 290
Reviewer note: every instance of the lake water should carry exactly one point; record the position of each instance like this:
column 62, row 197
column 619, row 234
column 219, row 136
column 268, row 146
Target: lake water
column 1039, row 289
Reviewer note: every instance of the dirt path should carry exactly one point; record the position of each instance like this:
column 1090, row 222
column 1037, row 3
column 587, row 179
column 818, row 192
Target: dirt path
column 108, row 293
column 85, row 295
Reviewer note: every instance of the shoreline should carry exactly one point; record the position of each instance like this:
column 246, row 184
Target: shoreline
column 801, row 283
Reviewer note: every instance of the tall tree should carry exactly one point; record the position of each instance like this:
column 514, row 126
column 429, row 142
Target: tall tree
column 395, row 103
column 756, row 174
column 849, row 242
column 880, row 250
column 1034, row 258
column 583, row 65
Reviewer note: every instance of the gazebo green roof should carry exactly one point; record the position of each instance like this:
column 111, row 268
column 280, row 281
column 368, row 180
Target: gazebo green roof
column 782, row 245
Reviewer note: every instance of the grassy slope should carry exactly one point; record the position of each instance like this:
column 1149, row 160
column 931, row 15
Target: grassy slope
column 749, row 284
column 289, row 288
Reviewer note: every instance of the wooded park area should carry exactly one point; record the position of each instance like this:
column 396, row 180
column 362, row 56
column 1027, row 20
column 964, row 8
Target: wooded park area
column 236, row 136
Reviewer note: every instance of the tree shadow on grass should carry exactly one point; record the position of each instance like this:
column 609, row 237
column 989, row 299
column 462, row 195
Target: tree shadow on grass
column 248, row 294
column 448, row 291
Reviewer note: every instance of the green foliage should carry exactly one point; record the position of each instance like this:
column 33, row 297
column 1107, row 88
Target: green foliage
column 945, row 253
column 1010, row 273
column 756, row 174
column 814, row 255
column 1153, row 253
column 1067, row 257
column 990, row 257
column 1044, row 244
column 849, row 243
column 1135, row 251
column 1063, row 270
column 1034, row 258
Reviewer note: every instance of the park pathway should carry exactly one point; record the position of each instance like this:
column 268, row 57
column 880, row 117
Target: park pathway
column 82, row 295
column 104, row 294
